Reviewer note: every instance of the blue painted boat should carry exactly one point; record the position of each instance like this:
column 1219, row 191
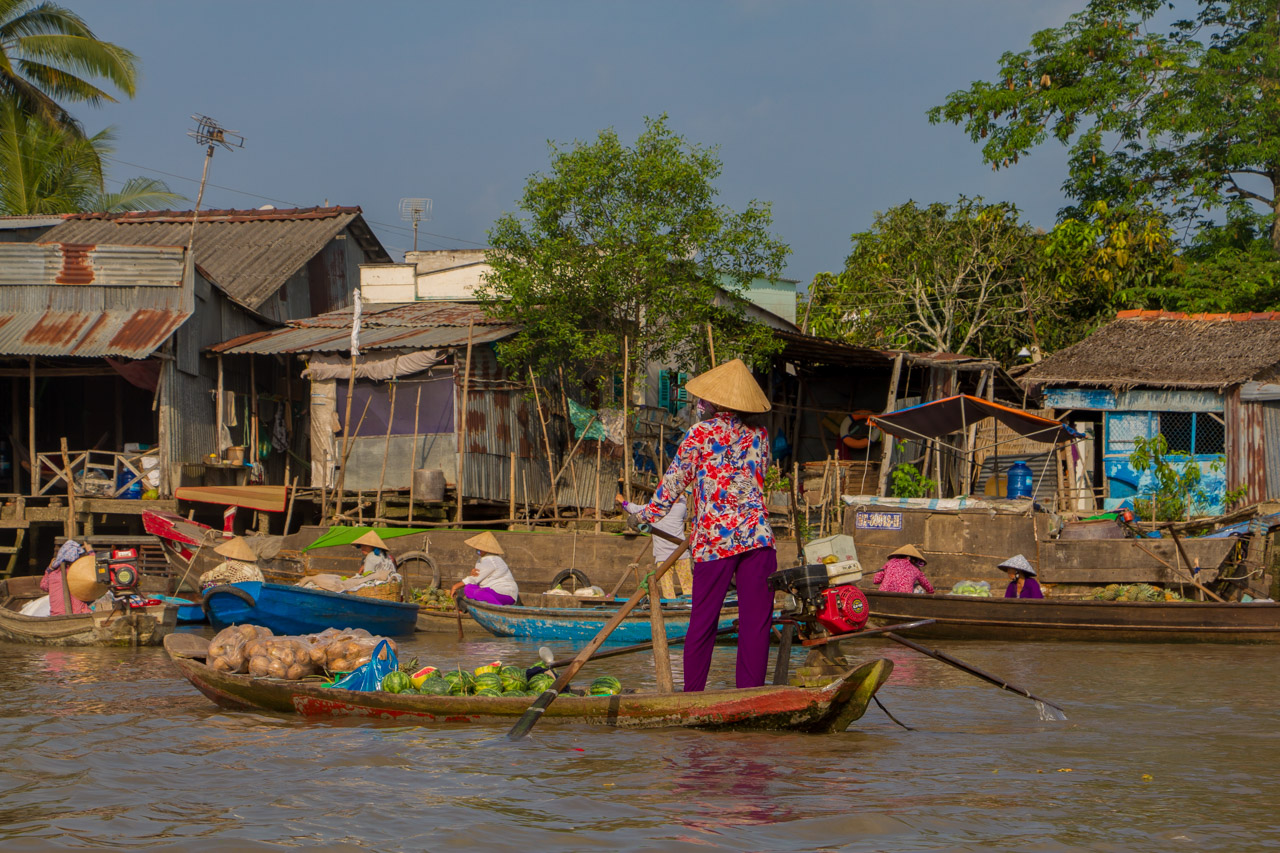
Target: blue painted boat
column 583, row 622
column 189, row 613
column 294, row 610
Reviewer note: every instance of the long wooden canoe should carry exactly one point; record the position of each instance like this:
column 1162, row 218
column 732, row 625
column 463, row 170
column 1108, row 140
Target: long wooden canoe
column 804, row 709
column 962, row 617
column 446, row 622
column 141, row 626
column 582, row 622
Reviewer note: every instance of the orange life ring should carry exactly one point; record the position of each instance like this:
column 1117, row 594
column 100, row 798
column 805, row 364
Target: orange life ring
column 856, row 431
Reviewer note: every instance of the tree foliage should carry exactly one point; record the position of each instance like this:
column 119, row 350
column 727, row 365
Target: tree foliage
column 49, row 55
column 952, row 278
column 1185, row 116
column 49, row 169
column 626, row 241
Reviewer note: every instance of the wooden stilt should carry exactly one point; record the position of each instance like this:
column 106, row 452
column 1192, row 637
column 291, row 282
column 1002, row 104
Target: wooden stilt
column 462, row 431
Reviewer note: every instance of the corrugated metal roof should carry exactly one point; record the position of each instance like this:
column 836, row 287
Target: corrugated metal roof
column 419, row 325
column 247, row 253
column 17, row 223
column 84, row 300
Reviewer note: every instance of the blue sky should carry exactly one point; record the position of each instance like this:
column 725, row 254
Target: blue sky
column 817, row 107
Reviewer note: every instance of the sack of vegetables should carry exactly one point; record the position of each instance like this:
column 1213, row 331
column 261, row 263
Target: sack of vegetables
column 227, row 648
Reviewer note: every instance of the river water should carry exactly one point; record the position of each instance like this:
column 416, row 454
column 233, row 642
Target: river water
column 1165, row 748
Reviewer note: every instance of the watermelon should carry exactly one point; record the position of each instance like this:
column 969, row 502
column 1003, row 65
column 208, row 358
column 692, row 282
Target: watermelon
column 606, row 685
column 487, row 691
column 490, row 680
column 410, row 691
column 423, row 674
column 451, row 675
column 513, row 681
column 396, row 682
column 458, row 688
column 489, row 667
column 541, row 682
column 434, row 687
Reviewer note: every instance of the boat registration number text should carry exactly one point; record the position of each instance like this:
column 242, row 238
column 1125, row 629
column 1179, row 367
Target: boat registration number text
column 878, row 520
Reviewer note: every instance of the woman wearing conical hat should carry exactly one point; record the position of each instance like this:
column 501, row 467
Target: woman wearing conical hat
column 722, row 461
column 490, row 580
column 901, row 572
column 240, row 564
column 377, row 556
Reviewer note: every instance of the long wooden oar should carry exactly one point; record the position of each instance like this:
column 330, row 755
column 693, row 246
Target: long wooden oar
column 620, row 650
column 972, row 670
column 530, row 717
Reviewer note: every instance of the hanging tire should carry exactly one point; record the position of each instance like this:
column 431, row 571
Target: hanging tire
column 580, row 578
column 422, row 564
column 225, row 589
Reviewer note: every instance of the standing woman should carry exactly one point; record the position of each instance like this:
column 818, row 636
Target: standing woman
column 725, row 461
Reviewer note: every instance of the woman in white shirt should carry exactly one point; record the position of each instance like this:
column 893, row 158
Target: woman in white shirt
column 490, row 580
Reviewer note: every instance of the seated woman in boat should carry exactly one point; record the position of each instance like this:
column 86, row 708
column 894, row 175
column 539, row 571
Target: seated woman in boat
column 1022, row 579
column 377, row 557
column 490, row 580
column 901, row 572
column 239, row 566
column 56, row 583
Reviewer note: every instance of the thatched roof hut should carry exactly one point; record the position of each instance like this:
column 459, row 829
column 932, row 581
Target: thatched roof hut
column 1162, row 349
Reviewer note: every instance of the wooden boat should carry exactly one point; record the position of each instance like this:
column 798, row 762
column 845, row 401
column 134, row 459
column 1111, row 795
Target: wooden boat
column 140, row 626
column 962, row 617
column 803, row 709
column 583, row 621
column 294, row 610
column 446, row 622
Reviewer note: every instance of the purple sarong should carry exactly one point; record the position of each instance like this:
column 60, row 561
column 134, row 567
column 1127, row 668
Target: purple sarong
column 475, row 592
column 750, row 571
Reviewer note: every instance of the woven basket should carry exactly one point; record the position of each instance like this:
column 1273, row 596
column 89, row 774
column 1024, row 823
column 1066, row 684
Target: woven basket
column 389, row 591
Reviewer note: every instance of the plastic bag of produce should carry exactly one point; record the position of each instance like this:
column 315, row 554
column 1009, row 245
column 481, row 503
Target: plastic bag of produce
column 287, row 658
column 978, row 588
column 346, row 654
column 227, row 648
column 369, row 676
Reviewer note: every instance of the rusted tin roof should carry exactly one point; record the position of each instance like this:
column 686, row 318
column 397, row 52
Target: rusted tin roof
column 86, row 300
column 248, row 254
column 419, row 325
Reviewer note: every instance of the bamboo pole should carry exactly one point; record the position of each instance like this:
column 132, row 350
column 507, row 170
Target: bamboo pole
column 31, row 425
column 413, row 451
column 386, row 444
column 546, row 442
column 288, row 515
column 886, row 443
column 253, row 409
column 462, row 431
column 511, row 491
column 658, row 628
column 626, row 407
column 69, row 528
column 711, row 345
column 346, row 440
column 599, row 474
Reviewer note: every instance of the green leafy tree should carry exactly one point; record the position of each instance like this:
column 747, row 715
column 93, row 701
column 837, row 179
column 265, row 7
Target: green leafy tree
column 1177, row 491
column 50, row 169
column 953, row 278
column 49, row 55
column 1185, row 116
column 619, row 241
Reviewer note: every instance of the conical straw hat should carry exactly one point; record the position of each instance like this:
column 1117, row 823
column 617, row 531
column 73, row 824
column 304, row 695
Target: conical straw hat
column 82, row 579
column 237, row 549
column 730, row 386
column 371, row 538
column 908, row 551
column 486, row 542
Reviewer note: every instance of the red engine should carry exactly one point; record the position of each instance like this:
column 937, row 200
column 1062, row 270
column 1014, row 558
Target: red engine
column 844, row 609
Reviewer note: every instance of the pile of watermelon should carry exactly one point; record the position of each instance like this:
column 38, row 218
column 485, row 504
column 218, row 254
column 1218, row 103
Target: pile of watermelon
column 492, row 679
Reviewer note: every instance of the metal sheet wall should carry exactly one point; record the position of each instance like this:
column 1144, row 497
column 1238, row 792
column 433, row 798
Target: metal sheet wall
column 1271, row 437
column 1246, row 446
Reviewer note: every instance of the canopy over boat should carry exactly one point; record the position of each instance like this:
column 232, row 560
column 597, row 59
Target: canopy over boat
column 953, row 414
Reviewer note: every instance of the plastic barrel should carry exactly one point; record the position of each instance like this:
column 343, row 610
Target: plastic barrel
column 1020, row 481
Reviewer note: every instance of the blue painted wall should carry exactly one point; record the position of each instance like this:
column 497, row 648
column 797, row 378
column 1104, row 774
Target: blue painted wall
column 1124, row 483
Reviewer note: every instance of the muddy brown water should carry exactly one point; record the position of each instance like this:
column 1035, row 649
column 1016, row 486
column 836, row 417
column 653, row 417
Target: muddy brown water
column 1165, row 748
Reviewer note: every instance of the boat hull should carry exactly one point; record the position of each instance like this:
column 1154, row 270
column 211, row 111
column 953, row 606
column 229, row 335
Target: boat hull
column 294, row 610
column 804, row 709
column 446, row 622
column 141, row 626
column 959, row 617
column 581, row 623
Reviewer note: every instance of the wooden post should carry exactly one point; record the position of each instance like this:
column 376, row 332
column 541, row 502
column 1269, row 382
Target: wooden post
column 288, row 416
column 288, row 516
column 626, row 408
column 219, row 404
column 886, row 443
column 386, row 444
column 546, row 443
column 711, row 345
column 511, row 496
column 69, row 528
column 795, row 510
column 31, row 425
column 599, row 474
column 346, row 440
column 462, row 431
column 657, row 627
column 413, row 454
column 15, row 430
column 253, row 409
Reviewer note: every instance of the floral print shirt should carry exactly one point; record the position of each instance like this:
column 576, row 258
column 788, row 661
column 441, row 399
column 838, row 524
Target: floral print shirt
column 899, row 574
column 725, row 461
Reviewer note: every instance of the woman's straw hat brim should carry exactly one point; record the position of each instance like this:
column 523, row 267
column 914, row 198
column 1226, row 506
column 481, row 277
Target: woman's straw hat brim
column 486, row 542
column 1020, row 563
column 908, row 551
column 237, row 549
column 730, row 386
column 371, row 538
column 82, row 579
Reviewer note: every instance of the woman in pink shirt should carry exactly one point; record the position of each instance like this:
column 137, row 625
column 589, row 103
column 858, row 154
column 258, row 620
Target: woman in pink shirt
column 901, row 572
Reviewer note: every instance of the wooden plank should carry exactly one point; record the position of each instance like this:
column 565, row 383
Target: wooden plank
column 263, row 498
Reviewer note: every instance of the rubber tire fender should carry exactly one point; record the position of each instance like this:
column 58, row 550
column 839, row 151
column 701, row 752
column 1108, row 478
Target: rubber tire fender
column 577, row 574
column 225, row 589
column 432, row 569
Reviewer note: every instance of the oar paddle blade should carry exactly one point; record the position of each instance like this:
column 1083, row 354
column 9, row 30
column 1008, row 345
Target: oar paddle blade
column 530, row 717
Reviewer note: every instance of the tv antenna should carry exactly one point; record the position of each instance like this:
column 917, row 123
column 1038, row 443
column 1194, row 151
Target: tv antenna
column 209, row 132
column 415, row 210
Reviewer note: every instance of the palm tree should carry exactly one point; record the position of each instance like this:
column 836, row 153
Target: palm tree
column 52, row 169
column 46, row 54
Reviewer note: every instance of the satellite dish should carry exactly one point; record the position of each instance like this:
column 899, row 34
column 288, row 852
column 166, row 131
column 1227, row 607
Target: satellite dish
column 415, row 210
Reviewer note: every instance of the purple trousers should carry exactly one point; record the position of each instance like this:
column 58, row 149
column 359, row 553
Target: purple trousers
column 475, row 592
column 749, row 571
